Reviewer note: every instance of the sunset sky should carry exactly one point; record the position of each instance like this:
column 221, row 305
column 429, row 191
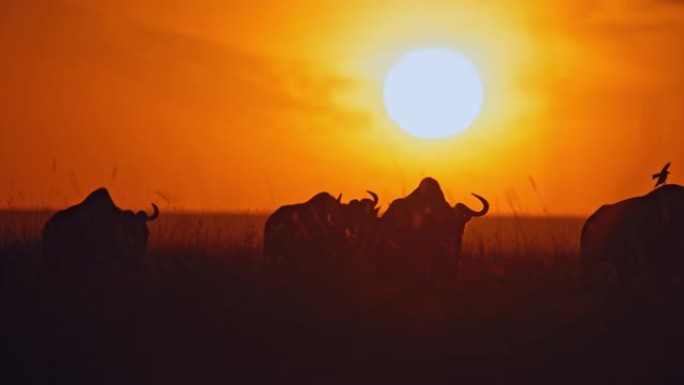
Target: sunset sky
column 218, row 105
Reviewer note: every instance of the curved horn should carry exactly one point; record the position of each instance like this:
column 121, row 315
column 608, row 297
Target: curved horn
column 155, row 213
column 485, row 207
column 339, row 198
column 375, row 197
column 472, row 213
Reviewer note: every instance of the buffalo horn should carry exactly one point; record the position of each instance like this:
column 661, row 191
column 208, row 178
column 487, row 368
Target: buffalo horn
column 473, row 213
column 155, row 213
column 375, row 198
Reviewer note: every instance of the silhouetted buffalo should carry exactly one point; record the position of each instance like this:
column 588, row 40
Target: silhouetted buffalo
column 360, row 217
column 94, row 232
column 424, row 228
column 294, row 232
column 317, row 230
column 640, row 235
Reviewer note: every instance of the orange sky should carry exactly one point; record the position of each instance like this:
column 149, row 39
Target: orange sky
column 219, row 105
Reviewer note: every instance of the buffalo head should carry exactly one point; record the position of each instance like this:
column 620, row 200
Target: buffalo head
column 465, row 213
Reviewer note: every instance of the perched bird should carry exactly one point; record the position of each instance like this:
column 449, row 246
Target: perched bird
column 662, row 175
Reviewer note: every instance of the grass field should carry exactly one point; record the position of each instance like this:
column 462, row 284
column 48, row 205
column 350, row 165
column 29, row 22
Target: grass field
column 201, row 309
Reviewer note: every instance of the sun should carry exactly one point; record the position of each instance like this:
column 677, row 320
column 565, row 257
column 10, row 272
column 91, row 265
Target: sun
column 433, row 93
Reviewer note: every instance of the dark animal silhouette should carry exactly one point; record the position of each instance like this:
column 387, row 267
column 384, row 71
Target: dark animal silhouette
column 424, row 228
column 662, row 175
column 360, row 217
column 318, row 230
column 637, row 236
column 95, row 232
column 293, row 232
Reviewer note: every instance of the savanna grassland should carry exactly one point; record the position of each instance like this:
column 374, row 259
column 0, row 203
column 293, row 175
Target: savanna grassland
column 204, row 308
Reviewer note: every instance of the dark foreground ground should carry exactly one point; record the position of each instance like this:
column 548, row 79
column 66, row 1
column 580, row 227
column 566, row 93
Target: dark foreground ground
column 519, row 311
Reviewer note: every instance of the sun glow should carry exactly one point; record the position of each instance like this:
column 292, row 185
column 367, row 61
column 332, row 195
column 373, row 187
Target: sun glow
column 433, row 93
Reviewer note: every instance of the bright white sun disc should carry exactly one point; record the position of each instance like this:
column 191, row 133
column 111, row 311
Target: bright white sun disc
column 433, row 93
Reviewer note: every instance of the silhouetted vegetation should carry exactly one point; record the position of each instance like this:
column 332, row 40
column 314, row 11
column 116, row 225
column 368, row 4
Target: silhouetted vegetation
column 202, row 310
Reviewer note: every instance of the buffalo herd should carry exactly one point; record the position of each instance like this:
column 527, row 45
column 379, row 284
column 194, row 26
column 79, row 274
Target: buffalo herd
column 636, row 235
column 422, row 227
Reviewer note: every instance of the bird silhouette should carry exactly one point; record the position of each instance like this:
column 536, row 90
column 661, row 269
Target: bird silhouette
column 662, row 175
